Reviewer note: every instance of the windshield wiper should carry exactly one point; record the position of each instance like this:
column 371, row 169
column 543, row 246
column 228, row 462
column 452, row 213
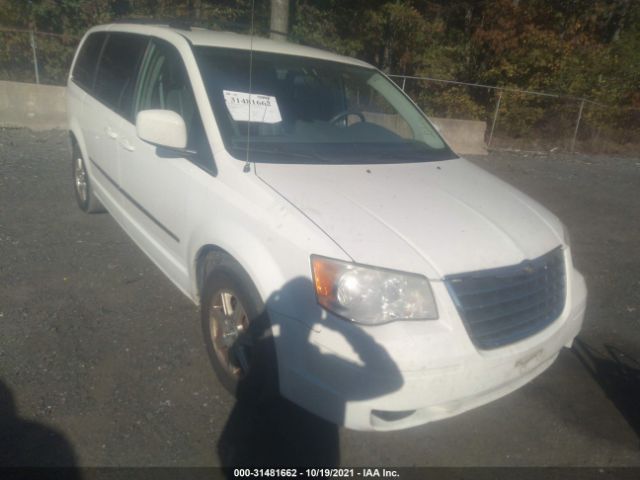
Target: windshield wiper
column 280, row 151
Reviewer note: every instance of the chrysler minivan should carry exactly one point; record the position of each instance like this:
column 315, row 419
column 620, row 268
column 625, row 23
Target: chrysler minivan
column 302, row 191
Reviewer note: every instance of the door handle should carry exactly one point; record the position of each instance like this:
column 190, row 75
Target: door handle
column 112, row 134
column 126, row 145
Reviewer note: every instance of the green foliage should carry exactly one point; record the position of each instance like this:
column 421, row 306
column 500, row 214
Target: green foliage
column 449, row 102
column 16, row 60
column 319, row 27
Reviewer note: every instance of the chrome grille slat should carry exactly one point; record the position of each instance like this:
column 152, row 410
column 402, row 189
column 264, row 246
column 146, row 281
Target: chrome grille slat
column 504, row 305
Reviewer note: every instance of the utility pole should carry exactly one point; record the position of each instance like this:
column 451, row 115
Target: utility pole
column 32, row 41
column 279, row 19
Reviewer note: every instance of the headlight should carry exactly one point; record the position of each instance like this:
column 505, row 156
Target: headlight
column 371, row 296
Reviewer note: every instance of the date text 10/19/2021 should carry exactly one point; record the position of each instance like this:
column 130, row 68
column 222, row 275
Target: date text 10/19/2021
column 315, row 473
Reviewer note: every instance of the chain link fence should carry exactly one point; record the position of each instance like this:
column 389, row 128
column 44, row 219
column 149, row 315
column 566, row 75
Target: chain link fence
column 516, row 119
column 527, row 120
column 35, row 57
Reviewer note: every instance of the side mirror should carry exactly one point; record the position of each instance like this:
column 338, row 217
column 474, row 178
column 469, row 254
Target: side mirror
column 163, row 128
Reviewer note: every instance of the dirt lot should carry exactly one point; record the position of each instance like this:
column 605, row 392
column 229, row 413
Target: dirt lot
column 104, row 362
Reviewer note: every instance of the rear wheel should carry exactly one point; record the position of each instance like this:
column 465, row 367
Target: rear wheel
column 85, row 197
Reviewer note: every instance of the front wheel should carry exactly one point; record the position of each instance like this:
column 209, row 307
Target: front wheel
column 83, row 190
column 237, row 334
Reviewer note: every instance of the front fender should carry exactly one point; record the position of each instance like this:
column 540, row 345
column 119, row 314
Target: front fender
column 271, row 240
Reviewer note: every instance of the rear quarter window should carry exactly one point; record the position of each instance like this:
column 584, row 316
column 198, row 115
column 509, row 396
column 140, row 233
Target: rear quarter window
column 118, row 70
column 85, row 67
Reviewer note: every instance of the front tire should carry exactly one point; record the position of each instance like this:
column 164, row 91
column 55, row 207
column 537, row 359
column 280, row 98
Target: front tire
column 83, row 190
column 237, row 332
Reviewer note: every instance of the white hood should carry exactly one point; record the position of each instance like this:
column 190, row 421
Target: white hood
column 434, row 218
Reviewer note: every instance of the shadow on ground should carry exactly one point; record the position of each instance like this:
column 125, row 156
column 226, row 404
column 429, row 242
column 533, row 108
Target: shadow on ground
column 25, row 443
column 618, row 374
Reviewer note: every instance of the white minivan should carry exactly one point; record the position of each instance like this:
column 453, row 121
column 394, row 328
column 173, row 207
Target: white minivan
column 336, row 245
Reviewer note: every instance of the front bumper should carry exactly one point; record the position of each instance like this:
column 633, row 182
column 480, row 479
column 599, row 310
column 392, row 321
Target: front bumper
column 372, row 379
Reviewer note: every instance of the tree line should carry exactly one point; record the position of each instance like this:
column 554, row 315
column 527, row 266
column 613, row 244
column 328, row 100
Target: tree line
column 583, row 48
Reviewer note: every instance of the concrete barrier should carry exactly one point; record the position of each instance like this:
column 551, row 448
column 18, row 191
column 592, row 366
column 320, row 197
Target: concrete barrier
column 38, row 107
column 42, row 107
column 466, row 137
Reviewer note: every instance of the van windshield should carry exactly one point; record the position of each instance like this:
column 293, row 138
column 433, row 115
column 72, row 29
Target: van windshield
column 306, row 110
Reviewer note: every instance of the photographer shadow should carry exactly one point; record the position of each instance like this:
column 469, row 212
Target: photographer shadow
column 266, row 430
column 30, row 444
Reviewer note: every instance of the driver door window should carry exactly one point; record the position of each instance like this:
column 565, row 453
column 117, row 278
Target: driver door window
column 164, row 84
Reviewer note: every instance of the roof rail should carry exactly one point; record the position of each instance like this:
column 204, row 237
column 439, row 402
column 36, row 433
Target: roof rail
column 186, row 23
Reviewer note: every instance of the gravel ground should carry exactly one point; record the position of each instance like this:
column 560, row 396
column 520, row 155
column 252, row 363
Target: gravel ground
column 102, row 361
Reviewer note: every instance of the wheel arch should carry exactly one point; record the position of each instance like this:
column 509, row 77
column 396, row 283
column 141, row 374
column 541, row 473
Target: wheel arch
column 202, row 265
column 257, row 265
column 76, row 138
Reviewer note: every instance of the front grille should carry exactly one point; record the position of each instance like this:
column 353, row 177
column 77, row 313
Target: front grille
column 504, row 305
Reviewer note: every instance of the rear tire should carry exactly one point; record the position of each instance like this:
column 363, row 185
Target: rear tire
column 237, row 331
column 86, row 199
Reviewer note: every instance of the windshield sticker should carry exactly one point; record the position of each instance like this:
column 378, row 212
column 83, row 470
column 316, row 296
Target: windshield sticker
column 245, row 107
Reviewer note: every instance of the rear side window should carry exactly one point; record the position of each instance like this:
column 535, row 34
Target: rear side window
column 85, row 66
column 118, row 70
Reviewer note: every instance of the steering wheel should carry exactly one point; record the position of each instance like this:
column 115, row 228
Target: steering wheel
column 345, row 113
